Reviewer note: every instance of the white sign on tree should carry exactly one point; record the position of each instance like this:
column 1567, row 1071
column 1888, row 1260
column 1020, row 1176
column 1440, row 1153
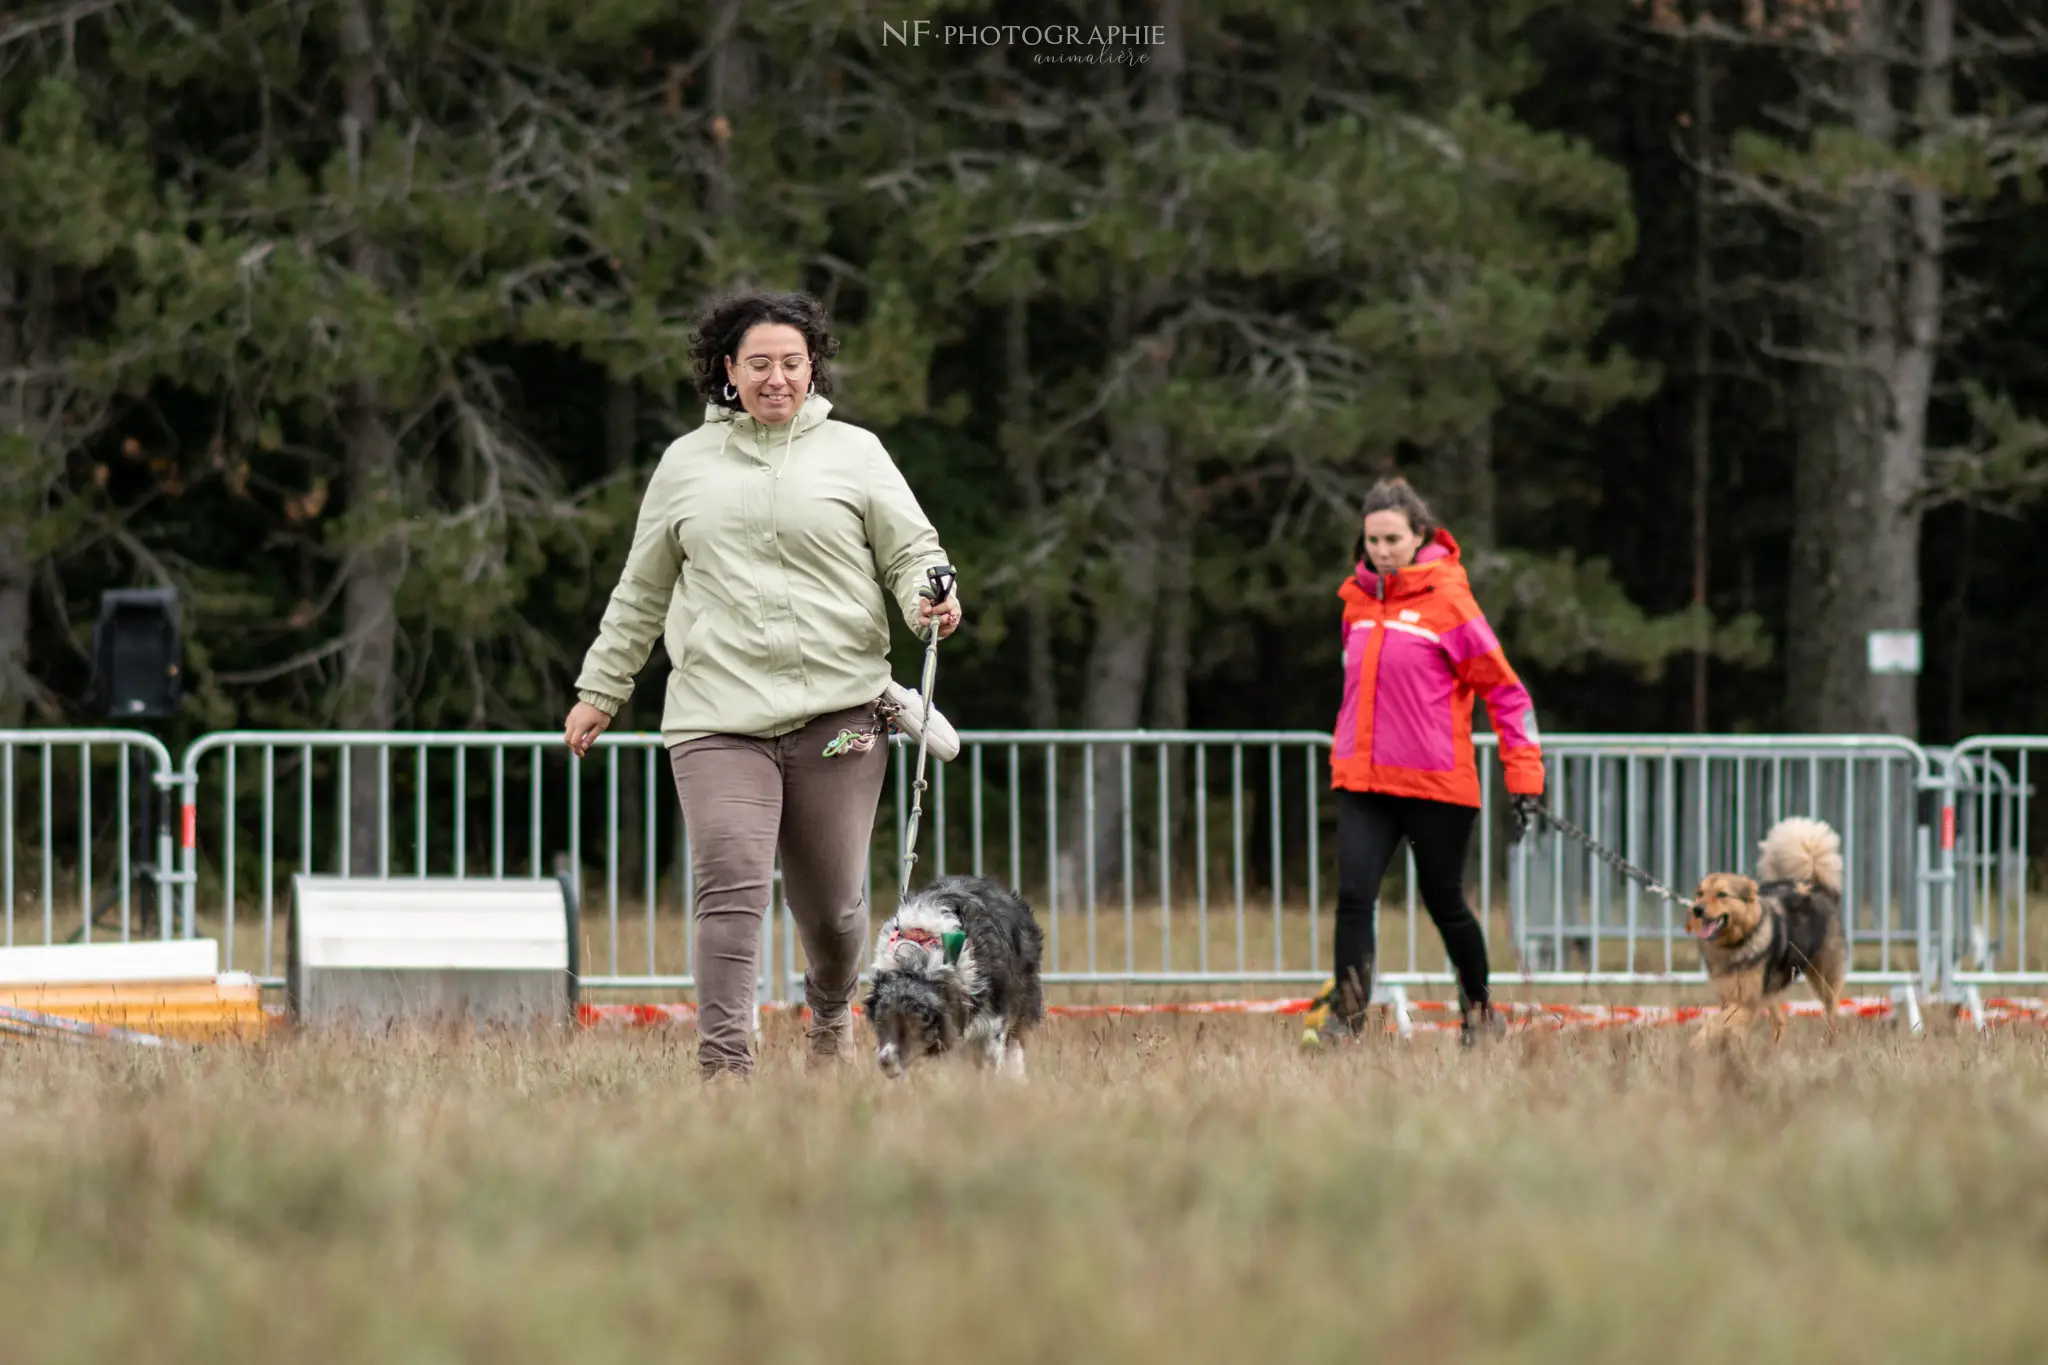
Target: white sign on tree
column 1894, row 651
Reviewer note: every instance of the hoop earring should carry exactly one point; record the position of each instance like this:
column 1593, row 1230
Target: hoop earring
column 731, row 394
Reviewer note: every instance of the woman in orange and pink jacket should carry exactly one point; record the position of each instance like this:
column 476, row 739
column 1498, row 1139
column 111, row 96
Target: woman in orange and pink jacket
column 1417, row 650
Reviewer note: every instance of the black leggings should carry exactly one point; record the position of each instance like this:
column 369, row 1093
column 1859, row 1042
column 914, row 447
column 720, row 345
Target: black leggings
column 1370, row 826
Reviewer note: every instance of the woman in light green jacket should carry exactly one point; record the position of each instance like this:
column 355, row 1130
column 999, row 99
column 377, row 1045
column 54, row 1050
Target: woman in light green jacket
column 773, row 532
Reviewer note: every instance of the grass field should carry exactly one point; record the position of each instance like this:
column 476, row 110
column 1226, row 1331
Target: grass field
column 1168, row 1189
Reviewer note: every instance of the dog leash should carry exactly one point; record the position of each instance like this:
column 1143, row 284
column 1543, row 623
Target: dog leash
column 1609, row 856
column 1634, row 873
column 940, row 586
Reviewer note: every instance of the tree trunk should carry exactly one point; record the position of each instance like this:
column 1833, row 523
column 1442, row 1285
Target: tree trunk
column 1702, row 372
column 1026, row 467
column 1460, row 489
column 1176, row 610
column 369, row 695
column 731, row 86
column 1113, row 679
column 16, row 575
column 621, row 426
column 1120, row 655
column 1856, row 543
column 1462, row 492
column 1959, row 610
column 621, row 441
column 20, row 461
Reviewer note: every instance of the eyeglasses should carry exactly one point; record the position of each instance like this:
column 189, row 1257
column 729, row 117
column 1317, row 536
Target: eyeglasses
column 759, row 365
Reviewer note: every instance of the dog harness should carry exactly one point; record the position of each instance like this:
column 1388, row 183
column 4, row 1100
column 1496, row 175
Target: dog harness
column 948, row 944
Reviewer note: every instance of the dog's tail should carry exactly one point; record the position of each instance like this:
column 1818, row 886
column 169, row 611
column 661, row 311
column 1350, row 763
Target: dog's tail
column 1799, row 849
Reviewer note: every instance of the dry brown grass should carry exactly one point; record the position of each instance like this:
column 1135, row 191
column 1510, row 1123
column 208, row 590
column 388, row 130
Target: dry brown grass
column 1163, row 1189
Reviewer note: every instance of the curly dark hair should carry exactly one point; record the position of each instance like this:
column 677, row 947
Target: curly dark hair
column 725, row 321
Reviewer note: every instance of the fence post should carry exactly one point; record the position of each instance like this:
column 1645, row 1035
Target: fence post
column 168, row 790
column 185, row 786
column 1939, row 871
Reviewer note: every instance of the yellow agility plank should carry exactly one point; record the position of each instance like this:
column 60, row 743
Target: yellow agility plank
column 227, row 1008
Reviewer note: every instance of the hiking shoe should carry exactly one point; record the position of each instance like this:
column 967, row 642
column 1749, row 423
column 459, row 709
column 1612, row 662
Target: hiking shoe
column 829, row 1040
column 1333, row 1032
column 1481, row 1024
column 1338, row 1016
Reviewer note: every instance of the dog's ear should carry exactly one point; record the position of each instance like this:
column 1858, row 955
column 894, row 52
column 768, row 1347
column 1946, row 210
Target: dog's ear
column 945, row 1020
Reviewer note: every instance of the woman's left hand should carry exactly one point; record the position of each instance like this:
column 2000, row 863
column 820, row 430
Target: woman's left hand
column 948, row 613
column 1528, row 812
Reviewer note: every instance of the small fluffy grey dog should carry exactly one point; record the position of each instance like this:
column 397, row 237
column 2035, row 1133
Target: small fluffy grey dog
column 957, row 963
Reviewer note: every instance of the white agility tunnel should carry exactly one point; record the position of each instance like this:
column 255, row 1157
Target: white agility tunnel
column 373, row 951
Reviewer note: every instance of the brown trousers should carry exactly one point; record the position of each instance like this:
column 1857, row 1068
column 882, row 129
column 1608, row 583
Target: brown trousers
column 743, row 801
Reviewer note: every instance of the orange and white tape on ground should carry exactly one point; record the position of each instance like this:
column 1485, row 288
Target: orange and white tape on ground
column 2002, row 1010
column 1425, row 1014
column 651, row 1016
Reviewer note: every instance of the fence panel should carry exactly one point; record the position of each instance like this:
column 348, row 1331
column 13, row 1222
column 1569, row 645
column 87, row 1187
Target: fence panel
column 87, row 850
column 264, row 805
column 1189, row 858
column 1204, row 865
column 1683, row 807
column 1990, row 919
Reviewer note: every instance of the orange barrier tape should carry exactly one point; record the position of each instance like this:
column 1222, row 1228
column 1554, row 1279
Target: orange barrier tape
column 644, row 1016
column 1521, row 1015
column 2003, row 1010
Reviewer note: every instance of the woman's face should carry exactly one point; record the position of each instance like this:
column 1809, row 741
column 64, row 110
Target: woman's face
column 771, row 370
column 1390, row 542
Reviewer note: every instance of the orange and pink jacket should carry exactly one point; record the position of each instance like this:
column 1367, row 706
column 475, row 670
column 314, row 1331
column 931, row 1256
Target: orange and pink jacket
column 1417, row 649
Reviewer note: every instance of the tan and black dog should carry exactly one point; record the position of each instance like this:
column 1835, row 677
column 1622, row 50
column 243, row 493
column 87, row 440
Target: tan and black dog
column 1757, row 934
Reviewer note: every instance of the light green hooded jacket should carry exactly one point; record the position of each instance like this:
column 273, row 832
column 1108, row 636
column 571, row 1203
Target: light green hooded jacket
column 763, row 552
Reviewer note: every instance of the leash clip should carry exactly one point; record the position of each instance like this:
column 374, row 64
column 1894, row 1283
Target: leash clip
column 849, row 742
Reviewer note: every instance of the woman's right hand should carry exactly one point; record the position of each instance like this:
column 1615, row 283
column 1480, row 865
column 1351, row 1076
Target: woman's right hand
column 584, row 725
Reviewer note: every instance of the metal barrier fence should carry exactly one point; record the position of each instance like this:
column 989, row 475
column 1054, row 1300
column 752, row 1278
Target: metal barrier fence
column 1986, row 873
column 479, row 804
column 1683, row 807
column 76, row 807
column 1152, row 858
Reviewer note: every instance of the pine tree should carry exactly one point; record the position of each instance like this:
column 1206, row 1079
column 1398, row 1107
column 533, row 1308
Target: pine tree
column 77, row 190
column 1873, row 178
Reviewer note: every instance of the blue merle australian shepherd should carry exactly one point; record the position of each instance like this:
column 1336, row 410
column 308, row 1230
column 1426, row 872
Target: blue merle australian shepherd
column 957, row 965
